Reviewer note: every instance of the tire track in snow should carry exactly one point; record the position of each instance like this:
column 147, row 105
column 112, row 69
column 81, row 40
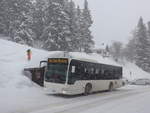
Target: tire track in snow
column 89, row 105
column 81, row 104
column 68, row 101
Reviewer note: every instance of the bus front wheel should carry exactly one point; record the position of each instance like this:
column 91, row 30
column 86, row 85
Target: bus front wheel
column 88, row 89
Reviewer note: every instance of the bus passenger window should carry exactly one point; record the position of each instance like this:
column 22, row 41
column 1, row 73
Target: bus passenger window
column 97, row 71
column 85, row 70
column 92, row 70
column 73, row 68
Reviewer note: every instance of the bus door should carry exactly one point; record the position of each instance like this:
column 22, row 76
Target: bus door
column 36, row 75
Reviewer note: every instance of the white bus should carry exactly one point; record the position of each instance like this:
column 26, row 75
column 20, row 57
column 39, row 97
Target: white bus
column 80, row 76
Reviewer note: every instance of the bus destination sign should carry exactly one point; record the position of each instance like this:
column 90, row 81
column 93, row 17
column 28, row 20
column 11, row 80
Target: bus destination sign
column 57, row 60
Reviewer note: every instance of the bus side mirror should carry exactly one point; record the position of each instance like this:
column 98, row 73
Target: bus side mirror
column 45, row 62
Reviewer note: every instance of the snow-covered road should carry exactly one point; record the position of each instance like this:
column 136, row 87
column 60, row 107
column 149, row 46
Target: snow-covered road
column 103, row 102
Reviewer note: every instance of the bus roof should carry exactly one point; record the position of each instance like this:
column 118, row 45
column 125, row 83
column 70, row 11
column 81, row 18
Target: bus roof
column 93, row 57
column 86, row 60
column 99, row 62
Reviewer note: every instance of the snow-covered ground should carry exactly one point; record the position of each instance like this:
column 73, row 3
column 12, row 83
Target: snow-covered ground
column 125, row 100
column 19, row 95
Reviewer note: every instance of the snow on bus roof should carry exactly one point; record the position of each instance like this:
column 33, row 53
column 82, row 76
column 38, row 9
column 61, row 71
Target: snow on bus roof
column 92, row 57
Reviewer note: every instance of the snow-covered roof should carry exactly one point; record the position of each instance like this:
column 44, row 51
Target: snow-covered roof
column 93, row 57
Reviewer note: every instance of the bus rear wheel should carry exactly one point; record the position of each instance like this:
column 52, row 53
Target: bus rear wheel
column 88, row 89
column 111, row 86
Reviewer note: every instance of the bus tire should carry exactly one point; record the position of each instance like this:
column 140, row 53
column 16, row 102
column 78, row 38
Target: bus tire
column 123, row 83
column 88, row 89
column 111, row 86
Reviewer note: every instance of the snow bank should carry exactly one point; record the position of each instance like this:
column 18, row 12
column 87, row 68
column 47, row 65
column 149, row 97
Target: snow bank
column 13, row 60
column 132, row 71
column 17, row 92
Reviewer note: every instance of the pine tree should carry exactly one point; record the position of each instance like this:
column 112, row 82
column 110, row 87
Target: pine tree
column 2, row 13
column 73, row 27
column 5, row 16
column 25, row 32
column 79, row 29
column 130, row 49
column 56, row 33
column 148, row 30
column 142, row 46
column 51, row 24
column 38, row 21
column 87, row 38
column 107, row 48
column 15, row 20
column 116, row 50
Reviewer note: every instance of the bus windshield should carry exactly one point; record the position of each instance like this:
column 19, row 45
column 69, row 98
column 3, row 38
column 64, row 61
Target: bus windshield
column 56, row 72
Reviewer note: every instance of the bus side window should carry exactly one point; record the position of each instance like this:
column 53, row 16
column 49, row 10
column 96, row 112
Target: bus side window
column 86, row 72
column 73, row 69
column 85, row 69
column 114, row 74
column 82, row 69
column 102, row 73
column 97, row 71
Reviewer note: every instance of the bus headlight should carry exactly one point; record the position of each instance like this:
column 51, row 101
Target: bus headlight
column 64, row 91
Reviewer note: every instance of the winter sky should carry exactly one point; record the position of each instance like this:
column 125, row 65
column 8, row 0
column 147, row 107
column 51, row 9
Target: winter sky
column 115, row 19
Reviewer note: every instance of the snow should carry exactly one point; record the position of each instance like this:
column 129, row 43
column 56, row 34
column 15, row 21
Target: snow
column 83, row 56
column 131, row 72
column 125, row 105
column 19, row 95
column 122, row 100
column 17, row 91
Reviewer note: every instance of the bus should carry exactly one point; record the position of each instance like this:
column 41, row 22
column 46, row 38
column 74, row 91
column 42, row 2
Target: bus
column 71, row 76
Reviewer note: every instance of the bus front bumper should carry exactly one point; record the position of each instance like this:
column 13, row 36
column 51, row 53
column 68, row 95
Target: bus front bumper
column 53, row 88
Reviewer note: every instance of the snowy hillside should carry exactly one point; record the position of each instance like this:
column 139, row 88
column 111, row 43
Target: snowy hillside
column 13, row 60
column 131, row 71
column 17, row 91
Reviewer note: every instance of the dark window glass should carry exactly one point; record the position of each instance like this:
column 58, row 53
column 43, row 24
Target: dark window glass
column 56, row 72
column 92, row 71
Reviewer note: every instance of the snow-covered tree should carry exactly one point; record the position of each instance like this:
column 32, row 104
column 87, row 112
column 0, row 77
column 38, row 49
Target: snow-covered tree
column 116, row 50
column 56, row 33
column 86, row 40
column 2, row 12
column 38, row 21
column 142, row 57
column 50, row 24
column 73, row 26
column 129, row 50
column 24, row 31
column 5, row 16
column 148, row 30
column 15, row 19
column 79, row 35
